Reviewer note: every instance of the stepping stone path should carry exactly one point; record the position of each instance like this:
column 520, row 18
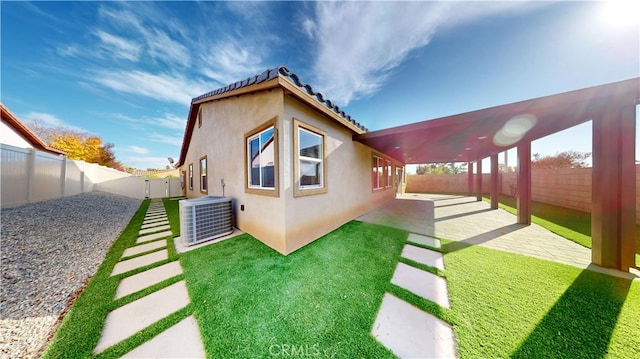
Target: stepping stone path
column 404, row 329
column 180, row 340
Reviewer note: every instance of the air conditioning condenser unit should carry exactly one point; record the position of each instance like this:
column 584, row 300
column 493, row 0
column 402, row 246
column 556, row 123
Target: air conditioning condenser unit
column 205, row 218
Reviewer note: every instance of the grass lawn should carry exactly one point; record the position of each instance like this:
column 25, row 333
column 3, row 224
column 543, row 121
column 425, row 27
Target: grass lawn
column 568, row 223
column 322, row 300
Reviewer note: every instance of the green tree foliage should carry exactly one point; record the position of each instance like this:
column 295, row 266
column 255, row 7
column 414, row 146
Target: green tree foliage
column 441, row 168
column 77, row 144
column 566, row 159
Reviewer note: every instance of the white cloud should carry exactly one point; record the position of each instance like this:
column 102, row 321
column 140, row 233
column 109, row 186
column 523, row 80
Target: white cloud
column 141, row 25
column 69, row 50
column 121, row 17
column 171, row 140
column 171, row 121
column 45, row 118
column 308, row 27
column 162, row 47
column 138, row 150
column 358, row 44
column 231, row 61
column 164, row 87
column 144, row 162
column 49, row 120
column 118, row 46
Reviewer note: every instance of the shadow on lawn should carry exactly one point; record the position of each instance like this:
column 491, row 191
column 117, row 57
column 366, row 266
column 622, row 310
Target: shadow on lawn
column 580, row 324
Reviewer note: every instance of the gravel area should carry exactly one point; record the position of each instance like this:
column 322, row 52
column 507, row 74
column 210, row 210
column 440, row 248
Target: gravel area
column 49, row 250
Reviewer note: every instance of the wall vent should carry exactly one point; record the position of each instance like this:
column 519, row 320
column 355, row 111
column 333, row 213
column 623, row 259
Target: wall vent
column 205, row 218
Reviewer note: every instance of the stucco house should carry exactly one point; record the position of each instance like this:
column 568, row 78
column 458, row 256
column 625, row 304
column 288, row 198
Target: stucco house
column 14, row 133
column 286, row 157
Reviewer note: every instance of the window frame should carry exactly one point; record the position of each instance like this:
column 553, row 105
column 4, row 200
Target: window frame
column 204, row 184
column 191, row 176
column 376, row 173
column 389, row 173
column 299, row 191
column 264, row 191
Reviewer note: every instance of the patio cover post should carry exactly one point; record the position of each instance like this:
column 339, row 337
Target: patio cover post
column 523, row 202
column 494, row 181
column 479, row 180
column 613, row 190
column 470, row 178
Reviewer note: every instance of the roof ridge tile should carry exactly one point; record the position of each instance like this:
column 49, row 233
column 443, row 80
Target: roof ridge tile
column 270, row 74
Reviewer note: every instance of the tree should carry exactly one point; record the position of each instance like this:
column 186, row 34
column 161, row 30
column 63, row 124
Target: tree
column 77, row 144
column 441, row 168
column 566, row 159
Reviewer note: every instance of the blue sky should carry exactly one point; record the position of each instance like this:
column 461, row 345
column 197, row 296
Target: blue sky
column 127, row 71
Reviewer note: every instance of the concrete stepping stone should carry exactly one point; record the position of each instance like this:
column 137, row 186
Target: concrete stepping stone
column 147, row 278
column 424, row 256
column 154, row 236
column 411, row 333
column 135, row 316
column 157, row 213
column 155, row 224
column 180, row 341
column 155, row 216
column 424, row 284
column 424, row 240
column 155, row 220
column 132, row 251
column 154, row 229
column 137, row 262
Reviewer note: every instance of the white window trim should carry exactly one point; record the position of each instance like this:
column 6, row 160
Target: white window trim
column 251, row 135
column 311, row 159
column 250, row 139
column 299, row 190
column 379, row 176
column 206, row 175
column 389, row 172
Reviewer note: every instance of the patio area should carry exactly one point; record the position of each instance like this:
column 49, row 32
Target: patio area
column 463, row 219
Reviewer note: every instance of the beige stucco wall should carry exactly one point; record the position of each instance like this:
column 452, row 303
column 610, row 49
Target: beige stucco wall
column 284, row 223
column 221, row 139
column 348, row 184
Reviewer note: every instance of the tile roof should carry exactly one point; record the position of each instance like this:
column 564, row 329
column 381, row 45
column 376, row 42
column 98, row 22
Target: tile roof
column 272, row 73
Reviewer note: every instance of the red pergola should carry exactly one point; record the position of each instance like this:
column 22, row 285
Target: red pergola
column 473, row 136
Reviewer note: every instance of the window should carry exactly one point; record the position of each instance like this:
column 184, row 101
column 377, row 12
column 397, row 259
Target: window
column 203, row 174
column 190, row 175
column 199, row 117
column 389, row 174
column 309, row 164
column 376, row 172
column 261, row 160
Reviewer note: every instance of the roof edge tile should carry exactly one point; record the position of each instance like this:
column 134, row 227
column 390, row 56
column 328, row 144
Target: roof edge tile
column 272, row 73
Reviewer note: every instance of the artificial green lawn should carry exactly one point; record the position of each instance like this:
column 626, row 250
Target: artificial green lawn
column 568, row 223
column 82, row 326
column 251, row 301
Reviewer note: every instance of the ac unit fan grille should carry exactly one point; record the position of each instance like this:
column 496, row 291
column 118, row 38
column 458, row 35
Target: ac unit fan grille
column 212, row 219
column 205, row 218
